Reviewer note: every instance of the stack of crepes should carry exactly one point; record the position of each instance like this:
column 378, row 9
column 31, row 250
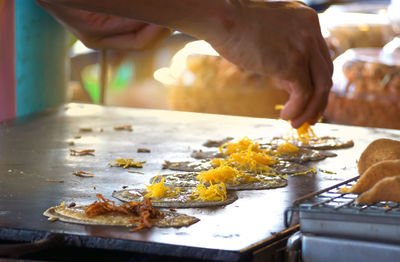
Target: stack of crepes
column 379, row 169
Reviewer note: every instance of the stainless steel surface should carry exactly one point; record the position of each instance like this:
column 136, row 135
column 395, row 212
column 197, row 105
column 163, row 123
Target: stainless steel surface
column 35, row 149
column 323, row 249
column 294, row 247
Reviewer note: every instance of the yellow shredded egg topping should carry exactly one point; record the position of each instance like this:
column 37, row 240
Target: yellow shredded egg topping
column 215, row 192
column 126, row 162
column 287, row 149
column 216, row 162
column 309, row 171
column 249, row 178
column 305, row 132
column 224, row 173
column 252, row 161
column 243, row 145
column 158, row 190
column 344, row 190
column 245, row 155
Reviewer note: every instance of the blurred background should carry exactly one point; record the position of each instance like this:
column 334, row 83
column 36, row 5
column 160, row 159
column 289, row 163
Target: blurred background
column 361, row 36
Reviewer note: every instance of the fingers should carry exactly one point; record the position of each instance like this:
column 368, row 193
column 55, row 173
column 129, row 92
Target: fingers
column 321, row 80
column 299, row 95
column 310, row 89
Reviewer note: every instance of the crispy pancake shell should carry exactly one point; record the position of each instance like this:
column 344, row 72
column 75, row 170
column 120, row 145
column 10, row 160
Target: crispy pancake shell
column 387, row 189
column 378, row 150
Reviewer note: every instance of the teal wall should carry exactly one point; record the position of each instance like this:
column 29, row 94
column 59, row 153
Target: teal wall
column 41, row 59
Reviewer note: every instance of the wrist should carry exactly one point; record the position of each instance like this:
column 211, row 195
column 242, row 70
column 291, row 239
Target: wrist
column 221, row 21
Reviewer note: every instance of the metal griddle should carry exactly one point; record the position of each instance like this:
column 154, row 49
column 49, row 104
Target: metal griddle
column 36, row 148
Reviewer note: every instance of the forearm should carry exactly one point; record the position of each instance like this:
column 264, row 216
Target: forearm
column 193, row 17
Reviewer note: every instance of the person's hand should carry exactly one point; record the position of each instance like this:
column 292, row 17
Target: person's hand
column 100, row 31
column 280, row 39
column 283, row 40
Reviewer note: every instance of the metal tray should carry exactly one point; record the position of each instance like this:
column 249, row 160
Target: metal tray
column 330, row 213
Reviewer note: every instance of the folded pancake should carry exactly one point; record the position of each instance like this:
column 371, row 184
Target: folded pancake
column 387, row 189
column 378, row 150
column 375, row 173
column 131, row 214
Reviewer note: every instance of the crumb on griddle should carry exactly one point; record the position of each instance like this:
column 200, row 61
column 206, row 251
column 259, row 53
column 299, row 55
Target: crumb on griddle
column 82, row 174
column 124, row 127
column 127, row 162
column 72, row 204
column 82, row 152
column 143, row 150
column 71, row 143
column 326, row 171
column 55, row 180
column 135, row 172
column 85, row 129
